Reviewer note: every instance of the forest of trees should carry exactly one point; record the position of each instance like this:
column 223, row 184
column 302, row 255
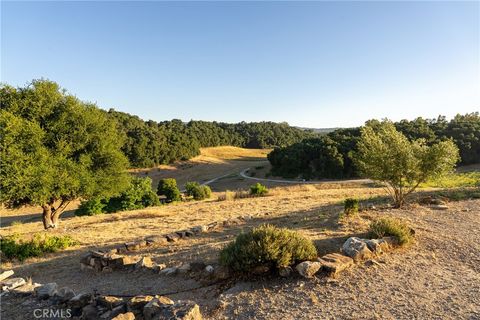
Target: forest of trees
column 330, row 156
column 149, row 143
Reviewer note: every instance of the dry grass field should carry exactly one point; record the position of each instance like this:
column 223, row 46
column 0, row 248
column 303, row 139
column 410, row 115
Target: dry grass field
column 438, row 277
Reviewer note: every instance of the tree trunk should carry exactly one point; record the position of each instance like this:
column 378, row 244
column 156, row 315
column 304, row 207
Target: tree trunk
column 47, row 217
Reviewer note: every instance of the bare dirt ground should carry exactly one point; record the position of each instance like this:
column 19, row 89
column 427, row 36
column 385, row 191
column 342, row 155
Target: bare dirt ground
column 436, row 278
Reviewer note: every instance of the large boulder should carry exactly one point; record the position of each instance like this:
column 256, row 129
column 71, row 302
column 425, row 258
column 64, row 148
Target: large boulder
column 154, row 307
column 12, row 283
column 64, row 294
column 181, row 310
column 377, row 246
column 356, row 249
column 137, row 303
column 125, row 316
column 46, row 291
column 109, row 302
column 334, row 263
column 5, row 274
column 80, row 300
column 308, row 269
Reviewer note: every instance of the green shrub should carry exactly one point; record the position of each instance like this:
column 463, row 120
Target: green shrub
column 139, row 195
column 168, row 188
column 12, row 248
column 91, row 207
column 198, row 192
column 350, row 206
column 267, row 245
column 258, row 189
column 391, row 227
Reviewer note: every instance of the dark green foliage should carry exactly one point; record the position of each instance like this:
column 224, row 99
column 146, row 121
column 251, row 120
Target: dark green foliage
column 91, row 207
column 258, row 189
column 139, row 195
column 151, row 143
column 56, row 148
column 267, row 245
column 198, row 192
column 311, row 158
column 12, row 248
column 351, row 206
column 386, row 227
column 331, row 156
column 168, row 188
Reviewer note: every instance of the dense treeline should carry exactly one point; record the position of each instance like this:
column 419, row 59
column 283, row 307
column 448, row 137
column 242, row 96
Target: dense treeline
column 149, row 143
column 330, row 156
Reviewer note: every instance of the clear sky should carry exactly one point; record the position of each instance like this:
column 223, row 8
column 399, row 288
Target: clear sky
column 312, row 64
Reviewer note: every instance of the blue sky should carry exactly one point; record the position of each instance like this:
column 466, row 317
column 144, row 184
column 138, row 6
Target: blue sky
column 313, row 64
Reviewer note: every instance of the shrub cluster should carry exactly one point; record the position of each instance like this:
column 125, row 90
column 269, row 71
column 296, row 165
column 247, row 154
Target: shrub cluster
column 139, row 195
column 351, row 206
column 391, row 227
column 12, row 248
column 168, row 188
column 258, row 189
column 198, row 192
column 267, row 245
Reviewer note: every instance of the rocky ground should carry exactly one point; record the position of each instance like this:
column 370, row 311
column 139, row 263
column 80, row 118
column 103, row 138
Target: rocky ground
column 438, row 277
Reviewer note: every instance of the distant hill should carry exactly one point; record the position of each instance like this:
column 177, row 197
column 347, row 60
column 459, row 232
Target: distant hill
column 319, row 130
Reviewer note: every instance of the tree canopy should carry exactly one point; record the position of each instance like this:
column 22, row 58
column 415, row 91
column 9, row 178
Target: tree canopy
column 385, row 154
column 55, row 148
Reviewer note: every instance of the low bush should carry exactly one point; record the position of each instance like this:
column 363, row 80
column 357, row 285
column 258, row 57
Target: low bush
column 385, row 227
column 91, row 207
column 267, row 245
column 13, row 248
column 139, row 195
column 351, row 206
column 198, row 192
column 258, row 189
column 168, row 188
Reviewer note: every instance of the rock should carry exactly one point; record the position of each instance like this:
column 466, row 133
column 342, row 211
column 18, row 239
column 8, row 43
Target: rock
column 126, row 262
column 439, row 206
column 154, row 307
column 46, row 291
column 89, row 312
column 184, row 268
column 169, row 271
column 199, row 229
column 107, row 269
column 209, row 269
column 5, row 274
column 84, row 266
column 125, row 316
column 64, row 294
column 333, row 263
column 109, row 302
column 12, row 283
column 80, row 300
column 172, row 237
column 181, row 234
column 308, row 269
column 138, row 302
column 182, row 309
column 285, row 271
column 156, row 240
column 377, row 246
column 135, row 245
column 212, row 225
column 144, row 262
column 356, row 249
column 197, row 266
column 97, row 254
column 26, row 290
column 114, row 312
column 159, row 267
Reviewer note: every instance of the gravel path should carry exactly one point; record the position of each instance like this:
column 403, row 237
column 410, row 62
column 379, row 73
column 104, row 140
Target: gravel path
column 437, row 278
